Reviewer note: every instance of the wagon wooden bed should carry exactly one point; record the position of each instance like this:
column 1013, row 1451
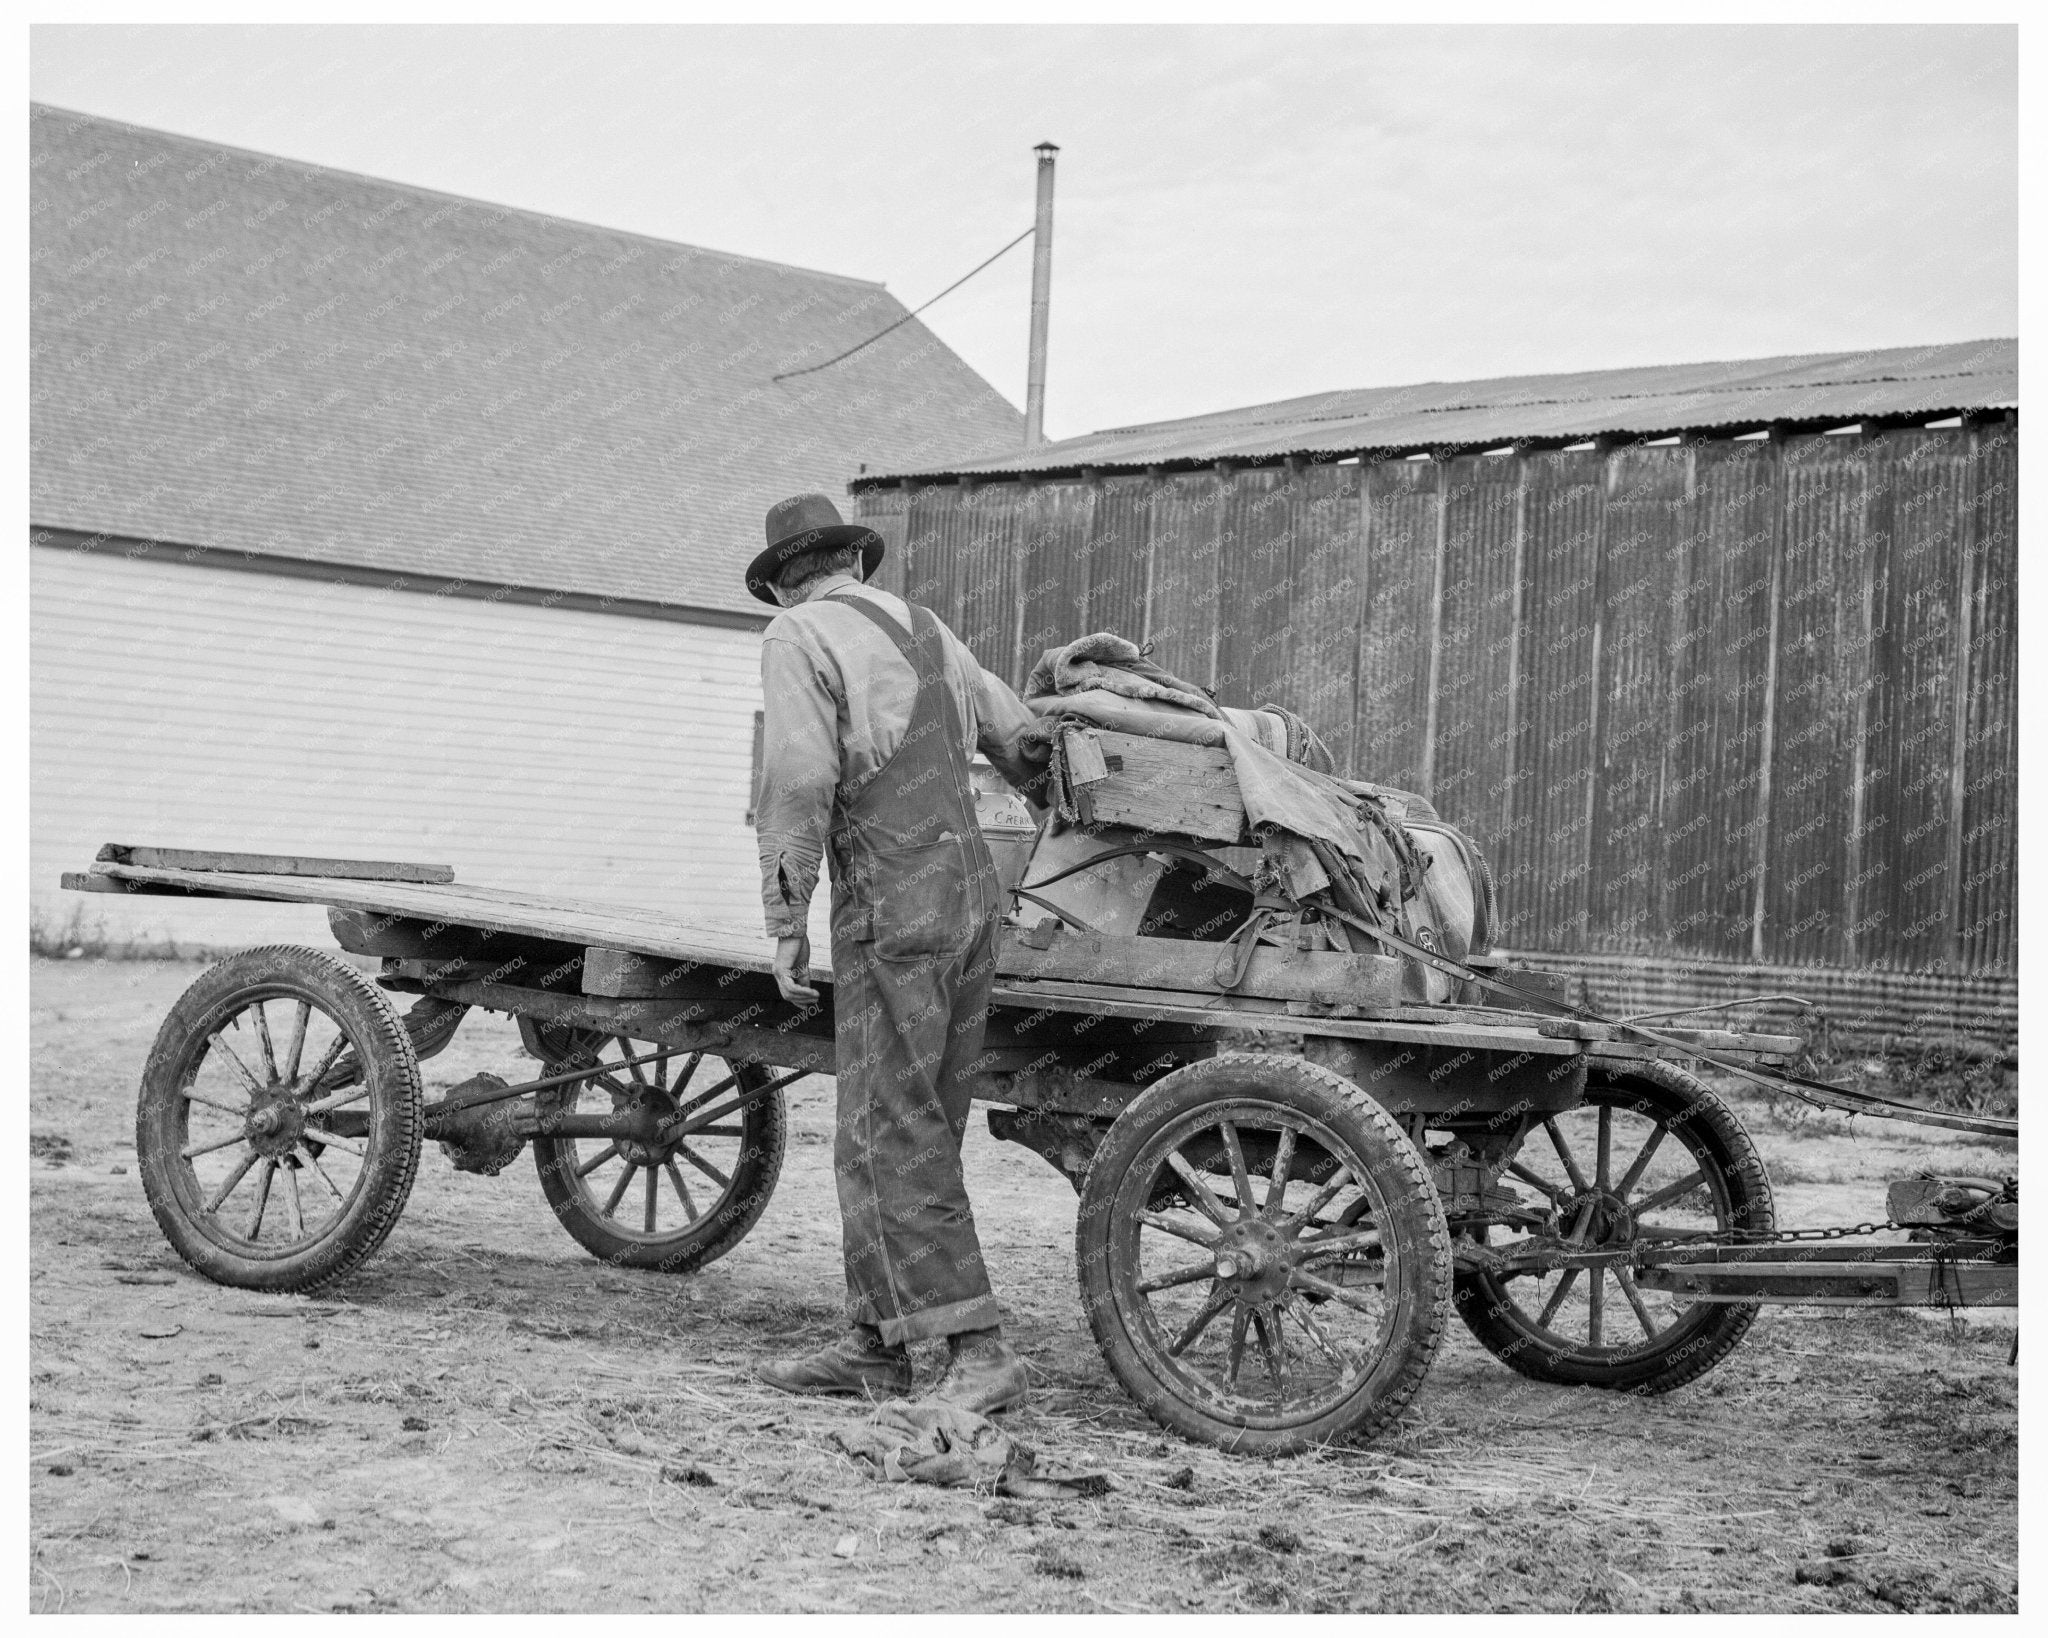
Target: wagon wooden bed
column 1289, row 1175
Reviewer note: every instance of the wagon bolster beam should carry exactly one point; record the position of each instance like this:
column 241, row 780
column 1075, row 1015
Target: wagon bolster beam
column 1843, row 1280
column 1972, row 1275
column 673, row 1024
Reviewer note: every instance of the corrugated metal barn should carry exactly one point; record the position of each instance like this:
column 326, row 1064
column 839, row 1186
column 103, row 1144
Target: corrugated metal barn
column 374, row 522
column 1716, row 661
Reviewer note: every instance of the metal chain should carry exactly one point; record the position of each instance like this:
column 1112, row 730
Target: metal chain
column 1762, row 1237
column 1757, row 1237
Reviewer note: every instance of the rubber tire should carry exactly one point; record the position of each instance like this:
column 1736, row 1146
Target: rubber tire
column 1415, row 1218
column 396, row 1120
column 766, row 1128
column 1709, row 1334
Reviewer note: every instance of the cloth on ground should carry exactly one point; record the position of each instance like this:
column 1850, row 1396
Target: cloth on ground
column 945, row 1445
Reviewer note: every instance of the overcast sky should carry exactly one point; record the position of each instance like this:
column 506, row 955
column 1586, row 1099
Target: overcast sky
column 1243, row 214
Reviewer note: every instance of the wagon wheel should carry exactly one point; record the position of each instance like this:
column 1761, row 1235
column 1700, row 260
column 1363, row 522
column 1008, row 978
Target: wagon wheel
column 1650, row 1155
column 676, row 1202
column 278, row 1129
column 1263, row 1257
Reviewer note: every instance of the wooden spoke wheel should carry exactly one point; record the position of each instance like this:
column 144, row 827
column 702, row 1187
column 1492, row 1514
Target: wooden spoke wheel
column 1651, row 1155
column 688, row 1188
column 278, row 1129
column 1264, row 1259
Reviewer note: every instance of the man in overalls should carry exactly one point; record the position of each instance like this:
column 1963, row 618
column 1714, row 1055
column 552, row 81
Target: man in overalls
column 873, row 711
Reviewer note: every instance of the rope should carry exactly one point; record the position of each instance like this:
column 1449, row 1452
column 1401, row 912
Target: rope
column 791, row 375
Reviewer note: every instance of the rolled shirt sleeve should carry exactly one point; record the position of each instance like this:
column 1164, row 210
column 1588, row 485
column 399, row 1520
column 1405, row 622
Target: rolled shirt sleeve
column 799, row 773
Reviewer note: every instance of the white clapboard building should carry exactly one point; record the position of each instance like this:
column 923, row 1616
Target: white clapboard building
column 373, row 522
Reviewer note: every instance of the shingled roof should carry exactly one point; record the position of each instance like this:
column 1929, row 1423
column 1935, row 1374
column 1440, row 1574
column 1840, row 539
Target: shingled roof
column 247, row 353
column 1806, row 391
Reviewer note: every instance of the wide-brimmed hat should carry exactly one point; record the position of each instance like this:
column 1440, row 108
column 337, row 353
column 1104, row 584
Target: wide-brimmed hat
column 808, row 523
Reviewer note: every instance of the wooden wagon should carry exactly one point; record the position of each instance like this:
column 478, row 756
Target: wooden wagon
column 1290, row 1170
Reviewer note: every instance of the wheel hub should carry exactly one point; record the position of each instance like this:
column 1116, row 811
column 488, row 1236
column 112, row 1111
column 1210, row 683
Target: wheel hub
column 1257, row 1256
column 1607, row 1219
column 645, row 1147
column 274, row 1126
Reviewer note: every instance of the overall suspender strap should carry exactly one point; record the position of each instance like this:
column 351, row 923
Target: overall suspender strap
column 906, row 645
column 924, row 651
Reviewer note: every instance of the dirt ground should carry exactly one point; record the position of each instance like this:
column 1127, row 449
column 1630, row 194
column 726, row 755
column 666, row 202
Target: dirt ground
column 486, row 1419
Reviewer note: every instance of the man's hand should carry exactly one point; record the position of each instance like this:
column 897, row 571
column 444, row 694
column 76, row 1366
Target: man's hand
column 793, row 969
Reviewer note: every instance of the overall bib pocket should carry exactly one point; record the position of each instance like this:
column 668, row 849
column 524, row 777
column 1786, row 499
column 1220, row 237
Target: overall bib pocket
column 922, row 900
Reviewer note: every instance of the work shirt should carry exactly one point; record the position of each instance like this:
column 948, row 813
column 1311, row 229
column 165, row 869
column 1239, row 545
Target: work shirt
column 838, row 701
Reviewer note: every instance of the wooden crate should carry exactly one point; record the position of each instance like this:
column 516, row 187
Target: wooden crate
column 1161, row 786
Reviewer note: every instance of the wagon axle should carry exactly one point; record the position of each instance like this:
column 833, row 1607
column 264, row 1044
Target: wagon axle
column 474, row 1112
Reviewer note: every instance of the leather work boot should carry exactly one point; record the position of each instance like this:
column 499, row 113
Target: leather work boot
column 986, row 1375
column 857, row 1363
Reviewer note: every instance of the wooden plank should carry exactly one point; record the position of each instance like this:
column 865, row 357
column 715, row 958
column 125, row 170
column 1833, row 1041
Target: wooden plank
column 81, row 881
column 1722, row 694
column 1542, row 869
column 1051, row 544
column 1252, row 630
column 1181, row 607
column 1367, row 982
column 887, row 512
column 1399, row 571
column 273, row 864
column 931, row 555
column 586, row 922
column 361, row 933
column 1163, row 786
column 1184, row 1006
column 401, row 936
column 669, row 1023
column 1625, row 888
column 1326, row 606
column 988, row 613
column 1433, row 635
column 451, row 969
column 1916, row 665
column 1082, row 751
column 1475, row 640
column 1841, row 1283
column 1730, row 1040
column 1821, row 669
column 1985, row 940
column 1588, row 1030
column 1059, row 1090
column 624, row 973
column 1118, row 554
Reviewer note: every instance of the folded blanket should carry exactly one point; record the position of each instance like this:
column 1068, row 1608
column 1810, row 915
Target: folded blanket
column 1093, row 675
column 1116, row 665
